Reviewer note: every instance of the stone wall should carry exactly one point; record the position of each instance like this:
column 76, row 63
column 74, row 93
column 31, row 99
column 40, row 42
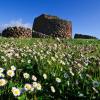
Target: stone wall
column 81, row 36
column 17, row 32
column 39, row 35
column 52, row 26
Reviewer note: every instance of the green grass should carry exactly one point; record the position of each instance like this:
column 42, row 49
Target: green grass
column 76, row 62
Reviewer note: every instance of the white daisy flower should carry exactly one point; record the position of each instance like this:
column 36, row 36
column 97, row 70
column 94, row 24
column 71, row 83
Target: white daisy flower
column 39, row 86
column 13, row 68
column 10, row 73
column 1, row 70
column 3, row 82
column 34, row 78
column 16, row 91
column 28, row 87
column 34, row 84
column 26, row 75
column 2, row 75
column 58, row 80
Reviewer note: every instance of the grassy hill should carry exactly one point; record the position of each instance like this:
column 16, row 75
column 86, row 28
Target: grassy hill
column 66, row 69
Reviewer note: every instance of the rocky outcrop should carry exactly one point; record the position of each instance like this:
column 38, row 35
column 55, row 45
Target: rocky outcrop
column 17, row 32
column 52, row 26
column 81, row 36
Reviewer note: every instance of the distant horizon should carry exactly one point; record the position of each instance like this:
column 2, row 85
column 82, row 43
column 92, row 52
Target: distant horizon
column 85, row 15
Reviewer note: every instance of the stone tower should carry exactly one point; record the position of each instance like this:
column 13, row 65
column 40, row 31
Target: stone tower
column 52, row 26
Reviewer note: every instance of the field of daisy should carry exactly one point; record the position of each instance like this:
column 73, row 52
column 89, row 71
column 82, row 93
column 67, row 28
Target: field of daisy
column 49, row 69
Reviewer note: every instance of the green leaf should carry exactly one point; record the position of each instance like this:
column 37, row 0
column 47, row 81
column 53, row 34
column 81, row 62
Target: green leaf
column 22, row 97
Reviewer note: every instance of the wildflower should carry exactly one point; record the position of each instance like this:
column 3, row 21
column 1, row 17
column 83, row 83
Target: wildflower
column 3, row 82
column 1, row 70
column 10, row 73
column 13, row 68
column 52, row 89
column 26, row 75
column 2, row 75
column 29, row 61
column 58, row 80
column 16, row 91
column 79, row 65
column 32, row 89
column 44, row 76
column 27, row 87
column 34, row 84
column 38, row 86
column 34, row 78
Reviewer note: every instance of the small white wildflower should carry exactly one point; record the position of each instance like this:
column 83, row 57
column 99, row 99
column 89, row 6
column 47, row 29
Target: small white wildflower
column 26, row 75
column 10, row 73
column 1, row 70
column 29, row 61
column 16, row 91
column 34, row 84
column 39, row 86
column 53, row 89
column 28, row 87
column 32, row 89
column 13, row 88
column 3, row 82
column 44, row 76
column 58, row 80
column 13, row 68
column 34, row 78
column 79, row 65
column 2, row 75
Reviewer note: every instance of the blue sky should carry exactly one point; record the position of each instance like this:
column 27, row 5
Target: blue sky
column 84, row 14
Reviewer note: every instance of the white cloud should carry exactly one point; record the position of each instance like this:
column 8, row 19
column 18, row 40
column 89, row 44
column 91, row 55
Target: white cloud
column 18, row 22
